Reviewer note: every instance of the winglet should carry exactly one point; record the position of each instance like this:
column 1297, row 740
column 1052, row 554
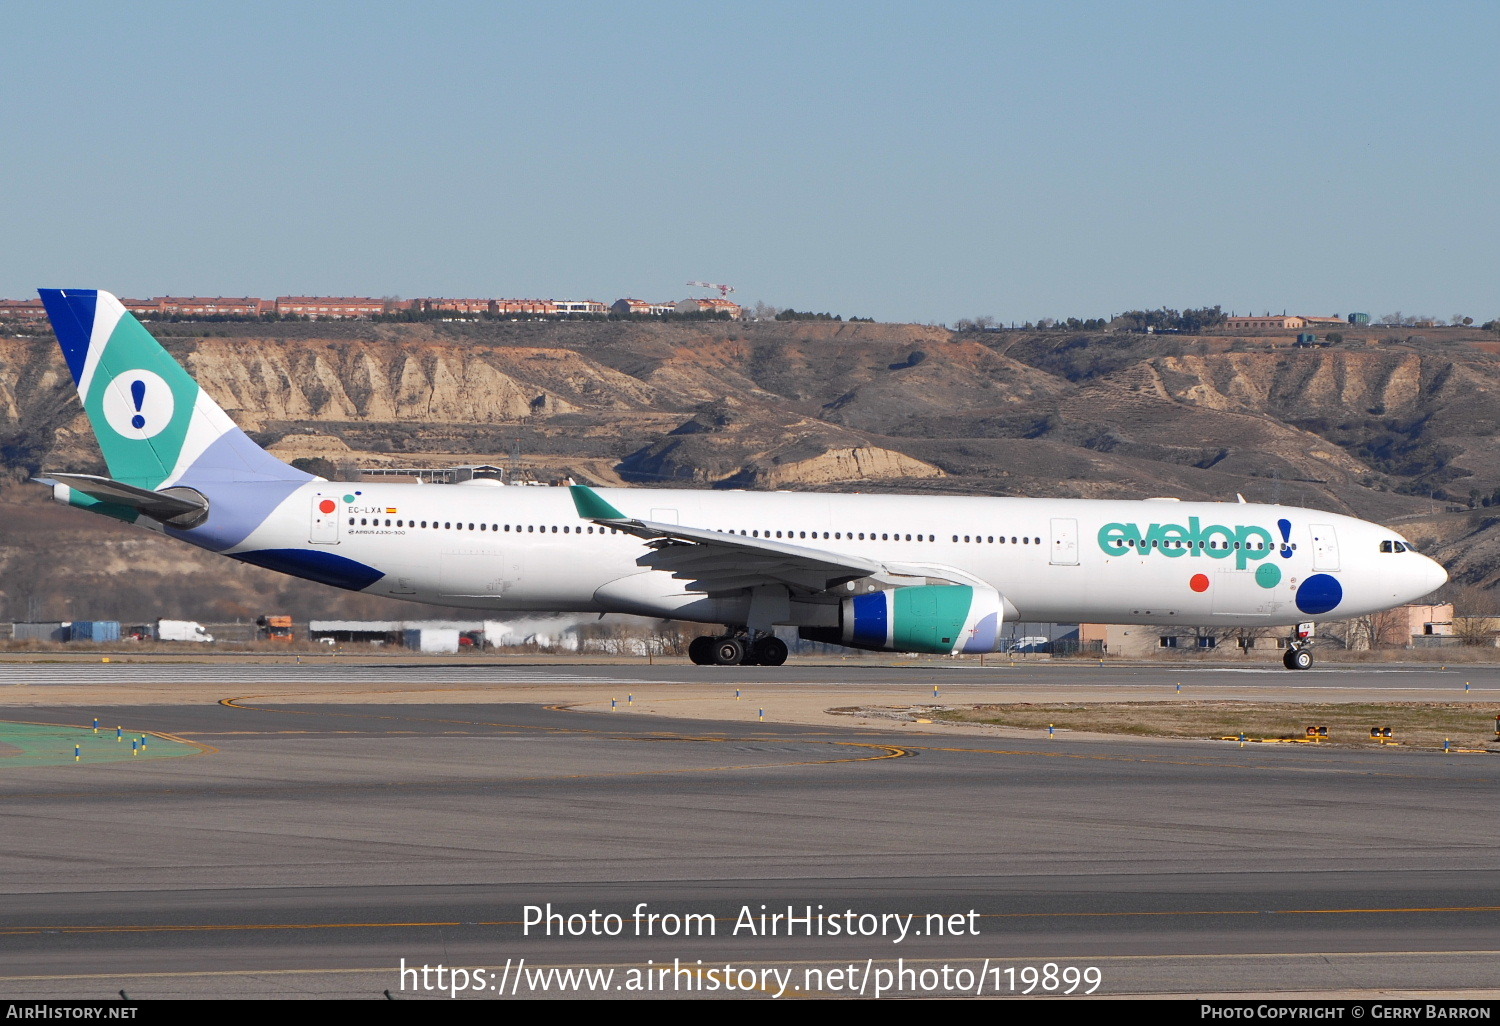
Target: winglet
column 591, row 507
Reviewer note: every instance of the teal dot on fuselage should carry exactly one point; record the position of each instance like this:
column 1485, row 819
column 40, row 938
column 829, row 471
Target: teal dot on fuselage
column 1268, row 575
column 348, row 498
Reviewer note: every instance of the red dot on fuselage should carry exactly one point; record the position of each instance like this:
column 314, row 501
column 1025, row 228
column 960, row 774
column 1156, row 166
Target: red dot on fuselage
column 1199, row 582
column 327, row 506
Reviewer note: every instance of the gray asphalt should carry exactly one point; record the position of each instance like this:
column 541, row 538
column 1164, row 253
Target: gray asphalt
column 1062, row 673
column 316, row 847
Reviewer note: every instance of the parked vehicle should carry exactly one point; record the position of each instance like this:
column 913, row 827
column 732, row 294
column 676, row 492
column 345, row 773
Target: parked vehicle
column 181, row 630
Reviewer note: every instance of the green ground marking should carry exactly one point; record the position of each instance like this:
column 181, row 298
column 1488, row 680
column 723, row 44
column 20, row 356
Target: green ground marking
column 51, row 744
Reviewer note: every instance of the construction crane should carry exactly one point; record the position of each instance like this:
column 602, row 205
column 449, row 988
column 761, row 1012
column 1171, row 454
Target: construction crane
column 724, row 290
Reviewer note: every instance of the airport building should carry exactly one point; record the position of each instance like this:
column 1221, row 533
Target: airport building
column 1408, row 626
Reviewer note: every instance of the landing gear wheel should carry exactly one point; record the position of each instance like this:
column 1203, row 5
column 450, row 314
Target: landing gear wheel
column 769, row 652
column 701, row 650
column 1297, row 659
column 728, row 651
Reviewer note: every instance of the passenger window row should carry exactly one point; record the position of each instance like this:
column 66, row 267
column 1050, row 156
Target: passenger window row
column 449, row 525
column 835, row 535
column 1253, row 547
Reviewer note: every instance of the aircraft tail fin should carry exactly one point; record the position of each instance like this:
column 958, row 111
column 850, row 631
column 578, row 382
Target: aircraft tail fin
column 156, row 426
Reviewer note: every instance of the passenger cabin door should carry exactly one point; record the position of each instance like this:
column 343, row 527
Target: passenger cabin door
column 1064, row 542
column 324, row 529
column 1325, row 547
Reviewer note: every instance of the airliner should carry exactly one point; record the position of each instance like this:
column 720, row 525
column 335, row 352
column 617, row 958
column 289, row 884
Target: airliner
column 898, row 573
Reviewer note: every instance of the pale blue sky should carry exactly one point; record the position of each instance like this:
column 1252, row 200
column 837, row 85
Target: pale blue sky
column 905, row 161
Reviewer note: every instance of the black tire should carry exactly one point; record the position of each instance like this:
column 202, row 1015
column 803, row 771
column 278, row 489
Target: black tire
column 728, row 651
column 1297, row 659
column 769, row 652
column 701, row 650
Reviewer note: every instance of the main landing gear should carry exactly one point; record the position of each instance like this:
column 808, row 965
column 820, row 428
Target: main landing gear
column 739, row 649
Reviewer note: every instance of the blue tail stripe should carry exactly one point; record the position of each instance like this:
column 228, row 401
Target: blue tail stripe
column 72, row 314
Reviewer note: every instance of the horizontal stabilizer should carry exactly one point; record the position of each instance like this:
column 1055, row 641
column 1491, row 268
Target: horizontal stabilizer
column 179, row 507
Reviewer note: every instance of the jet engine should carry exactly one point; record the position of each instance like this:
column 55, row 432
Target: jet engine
column 944, row 619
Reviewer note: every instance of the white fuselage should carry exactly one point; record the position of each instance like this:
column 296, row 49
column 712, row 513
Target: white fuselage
column 1153, row 561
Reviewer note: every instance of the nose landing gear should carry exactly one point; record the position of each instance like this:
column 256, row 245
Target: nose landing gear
column 1299, row 655
column 1297, row 658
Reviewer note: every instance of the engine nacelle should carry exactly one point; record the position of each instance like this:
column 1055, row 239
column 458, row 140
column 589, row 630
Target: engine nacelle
column 943, row 619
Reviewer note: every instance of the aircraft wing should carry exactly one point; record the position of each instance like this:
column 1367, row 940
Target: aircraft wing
column 719, row 561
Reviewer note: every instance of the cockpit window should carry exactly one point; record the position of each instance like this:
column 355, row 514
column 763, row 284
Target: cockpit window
column 1394, row 546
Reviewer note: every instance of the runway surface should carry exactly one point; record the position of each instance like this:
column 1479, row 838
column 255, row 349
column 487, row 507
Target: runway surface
column 316, row 844
column 1063, row 673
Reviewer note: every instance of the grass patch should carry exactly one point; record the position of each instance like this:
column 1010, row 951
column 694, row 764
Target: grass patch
column 1418, row 724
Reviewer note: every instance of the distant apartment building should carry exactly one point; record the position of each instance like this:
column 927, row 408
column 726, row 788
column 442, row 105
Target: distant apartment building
column 212, row 306
column 714, row 306
column 579, row 306
column 346, row 307
column 525, row 306
column 467, row 306
column 511, row 307
column 22, row 309
column 329, row 307
column 641, row 307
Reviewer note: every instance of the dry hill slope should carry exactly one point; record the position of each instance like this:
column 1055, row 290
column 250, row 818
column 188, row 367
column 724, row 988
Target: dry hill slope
column 1383, row 430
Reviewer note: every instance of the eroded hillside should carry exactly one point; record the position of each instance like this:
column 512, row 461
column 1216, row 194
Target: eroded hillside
column 1383, row 429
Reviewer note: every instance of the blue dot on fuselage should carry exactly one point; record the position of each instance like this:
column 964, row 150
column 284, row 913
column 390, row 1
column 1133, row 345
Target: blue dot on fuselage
column 137, row 422
column 1319, row 593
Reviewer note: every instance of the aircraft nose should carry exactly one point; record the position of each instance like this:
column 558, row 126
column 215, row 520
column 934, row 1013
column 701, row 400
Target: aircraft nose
column 1430, row 576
